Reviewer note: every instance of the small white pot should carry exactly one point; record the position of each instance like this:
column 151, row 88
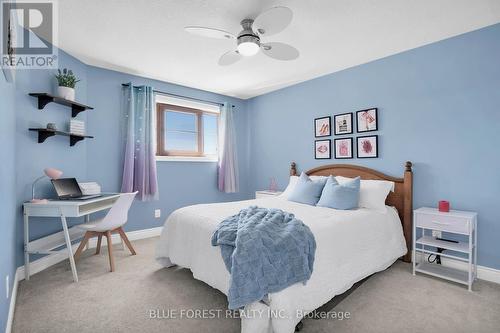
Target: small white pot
column 66, row 93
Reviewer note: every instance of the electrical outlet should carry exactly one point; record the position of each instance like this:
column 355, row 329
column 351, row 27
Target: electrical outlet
column 436, row 233
column 157, row 213
column 7, row 287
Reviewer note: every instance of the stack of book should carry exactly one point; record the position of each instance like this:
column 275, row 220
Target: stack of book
column 77, row 127
column 90, row 188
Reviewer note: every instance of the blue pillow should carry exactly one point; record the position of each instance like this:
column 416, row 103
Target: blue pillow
column 345, row 196
column 307, row 191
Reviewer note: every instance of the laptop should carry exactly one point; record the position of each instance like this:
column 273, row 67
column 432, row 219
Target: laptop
column 68, row 189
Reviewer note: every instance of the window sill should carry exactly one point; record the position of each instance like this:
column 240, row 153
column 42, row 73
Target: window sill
column 186, row 159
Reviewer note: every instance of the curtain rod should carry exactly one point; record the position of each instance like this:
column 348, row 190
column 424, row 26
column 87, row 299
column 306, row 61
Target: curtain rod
column 180, row 96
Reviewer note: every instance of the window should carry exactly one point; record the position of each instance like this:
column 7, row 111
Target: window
column 186, row 129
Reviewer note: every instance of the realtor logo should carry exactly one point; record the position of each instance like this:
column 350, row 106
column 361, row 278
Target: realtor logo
column 28, row 34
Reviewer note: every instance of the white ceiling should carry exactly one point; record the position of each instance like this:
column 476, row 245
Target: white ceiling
column 146, row 37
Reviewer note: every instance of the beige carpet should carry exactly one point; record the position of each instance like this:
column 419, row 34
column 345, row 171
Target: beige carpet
column 390, row 301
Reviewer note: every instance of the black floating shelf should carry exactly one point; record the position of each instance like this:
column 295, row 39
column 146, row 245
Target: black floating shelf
column 44, row 99
column 44, row 133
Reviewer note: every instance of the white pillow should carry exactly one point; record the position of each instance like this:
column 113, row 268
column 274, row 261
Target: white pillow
column 291, row 185
column 372, row 193
column 293, row 181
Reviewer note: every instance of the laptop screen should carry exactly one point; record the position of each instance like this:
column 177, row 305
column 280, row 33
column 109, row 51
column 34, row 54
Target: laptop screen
column 67, row 187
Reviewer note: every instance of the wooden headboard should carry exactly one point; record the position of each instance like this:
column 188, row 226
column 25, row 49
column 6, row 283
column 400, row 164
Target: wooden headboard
column 401, row 198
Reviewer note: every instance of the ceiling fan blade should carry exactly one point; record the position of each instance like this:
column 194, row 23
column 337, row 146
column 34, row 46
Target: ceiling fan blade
column 209, row 32
column 273, row 20
column 229, row 58
column 280, row 51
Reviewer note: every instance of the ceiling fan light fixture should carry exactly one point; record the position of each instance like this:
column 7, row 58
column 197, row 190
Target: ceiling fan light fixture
column 248, row 49
column 248, row 45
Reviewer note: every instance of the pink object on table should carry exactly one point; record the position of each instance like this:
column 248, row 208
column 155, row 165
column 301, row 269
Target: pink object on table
column 39, row 201
column 53, row 173
column 273, row 185
column 444, row 206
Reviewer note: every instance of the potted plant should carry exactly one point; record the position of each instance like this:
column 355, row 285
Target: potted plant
column 67, row 81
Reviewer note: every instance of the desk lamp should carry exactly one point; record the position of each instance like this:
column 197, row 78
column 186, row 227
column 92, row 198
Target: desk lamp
column 52, row 174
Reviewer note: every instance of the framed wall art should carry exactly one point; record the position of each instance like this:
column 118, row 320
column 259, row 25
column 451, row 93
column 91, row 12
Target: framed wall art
column 343, row 123
column 343, row 148
column 322, row 149
column 367, row 146
column 322, row 127
column 367, row 120
column 9, row 31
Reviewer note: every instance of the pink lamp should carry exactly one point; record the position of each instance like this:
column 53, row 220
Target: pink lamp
column 52, row 174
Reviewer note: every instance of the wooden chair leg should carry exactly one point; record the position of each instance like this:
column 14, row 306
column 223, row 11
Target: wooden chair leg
column 85, row 239
column 124, row 237
column 98, row 248
column 110, row 251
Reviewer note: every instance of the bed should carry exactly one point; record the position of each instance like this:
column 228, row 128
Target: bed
column 351, row 245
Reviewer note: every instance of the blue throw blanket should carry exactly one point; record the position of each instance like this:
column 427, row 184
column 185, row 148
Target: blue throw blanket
column 265, row 250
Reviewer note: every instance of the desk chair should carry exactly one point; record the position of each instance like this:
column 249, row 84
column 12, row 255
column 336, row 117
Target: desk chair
column 110, row 224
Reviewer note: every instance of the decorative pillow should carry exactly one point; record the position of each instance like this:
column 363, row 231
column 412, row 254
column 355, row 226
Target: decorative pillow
column 373, row 193
column 291, row 185
column 307, row 190
column 293, row 182
column 340, row 196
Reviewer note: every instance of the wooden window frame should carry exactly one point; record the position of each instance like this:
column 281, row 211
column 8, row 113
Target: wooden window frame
column 161, row 150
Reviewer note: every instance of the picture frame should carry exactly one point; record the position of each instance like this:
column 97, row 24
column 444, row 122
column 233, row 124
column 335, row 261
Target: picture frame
column 343, row 148
column 367, row 120
column 343, row 123
column 322, row 127
column 322, row 149
column 367, row 146
column 11, row 35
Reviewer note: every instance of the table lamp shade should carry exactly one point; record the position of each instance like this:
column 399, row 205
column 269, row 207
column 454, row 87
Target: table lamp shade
column 53, row 173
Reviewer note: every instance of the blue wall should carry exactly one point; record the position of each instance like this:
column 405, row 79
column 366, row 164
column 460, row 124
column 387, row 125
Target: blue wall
column 180, row 183
column 439, row 106
column 31, row 157
column 8, row 203
column 100, row 159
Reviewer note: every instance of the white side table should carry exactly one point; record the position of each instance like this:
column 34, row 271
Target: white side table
column 454, row 222
column 266, row 194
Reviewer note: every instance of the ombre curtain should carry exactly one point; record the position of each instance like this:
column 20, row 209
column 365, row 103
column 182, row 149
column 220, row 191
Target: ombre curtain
column 228, row 179
column 139, row 166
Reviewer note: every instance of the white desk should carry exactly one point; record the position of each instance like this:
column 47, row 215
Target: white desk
column 62, row 209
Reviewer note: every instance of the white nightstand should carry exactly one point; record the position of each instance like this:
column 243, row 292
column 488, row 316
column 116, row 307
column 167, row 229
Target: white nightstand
column 266, row 194
column 456, row 222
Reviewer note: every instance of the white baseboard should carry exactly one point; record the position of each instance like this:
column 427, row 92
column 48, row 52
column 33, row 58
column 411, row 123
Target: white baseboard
column 12, row 306
column 132, row 235
column 47, row 261
column 483, row 272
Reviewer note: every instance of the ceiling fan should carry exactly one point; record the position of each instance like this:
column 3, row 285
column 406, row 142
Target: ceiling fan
column 249, row 42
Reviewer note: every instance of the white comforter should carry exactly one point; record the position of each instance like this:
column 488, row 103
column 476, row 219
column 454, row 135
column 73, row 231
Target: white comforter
column 351, row 244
